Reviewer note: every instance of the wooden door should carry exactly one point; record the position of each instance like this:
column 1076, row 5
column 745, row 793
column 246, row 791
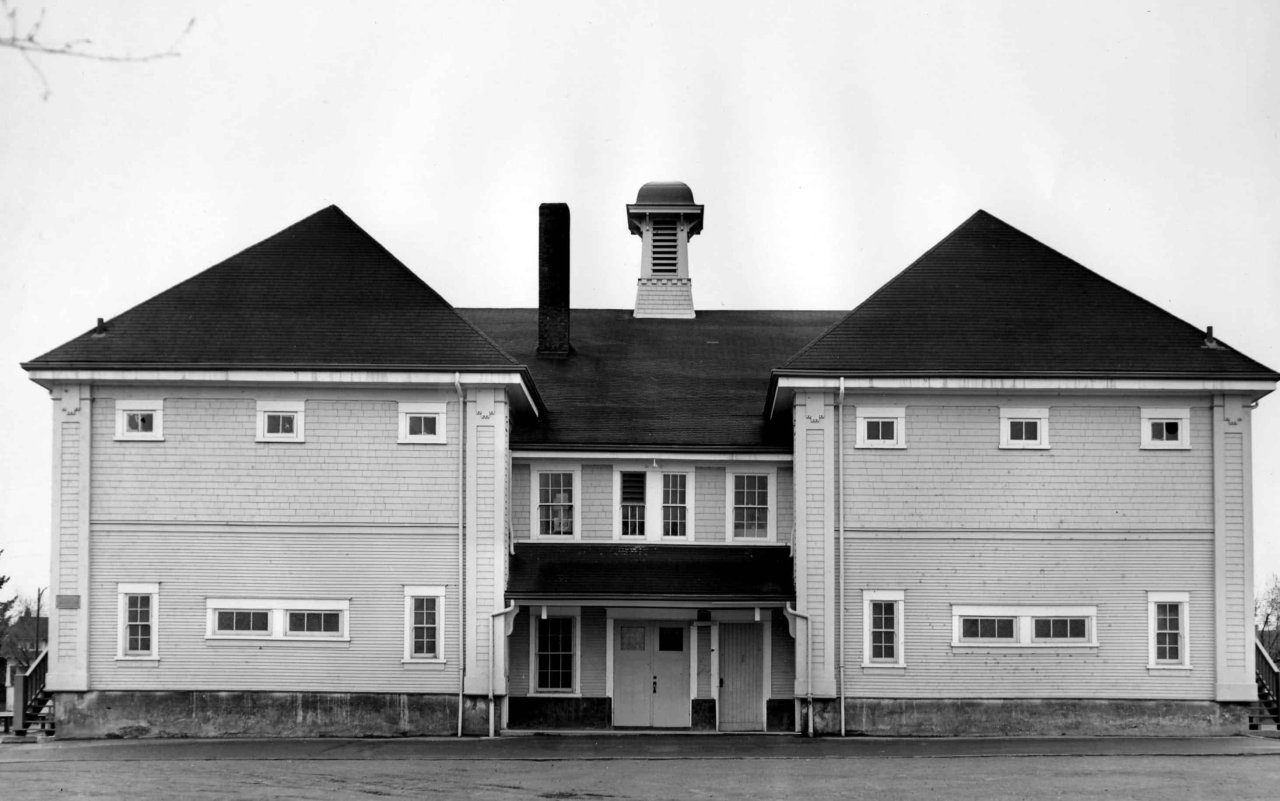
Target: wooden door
column 742, row 677
column 651, row 674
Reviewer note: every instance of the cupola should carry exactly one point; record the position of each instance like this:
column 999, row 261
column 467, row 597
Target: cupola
column 664, row 216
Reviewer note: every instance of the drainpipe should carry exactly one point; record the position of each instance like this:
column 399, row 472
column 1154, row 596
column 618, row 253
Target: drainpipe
column 791, row 612
column 493, row 648
column 840, row 541
column 462, row 536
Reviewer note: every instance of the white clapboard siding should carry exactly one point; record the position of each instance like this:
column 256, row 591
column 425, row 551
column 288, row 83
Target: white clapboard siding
column 1236, row 559
column 597, row 503
column 521, row 503
column 210, row 468
column 370, row 568
column 953, row 474
column 783, row 660
column 1113, row 573
column 709, row 504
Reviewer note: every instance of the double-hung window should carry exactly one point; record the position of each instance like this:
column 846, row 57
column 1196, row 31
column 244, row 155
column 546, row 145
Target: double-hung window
column 1166, row 429
column 882, row 628
column 881, row 427
column 1024, row 428
column 751, row 504
column 555, row 650
column 423, row 622
column 421, row 423
column 653, row 505
column 1167, row 630
column 281, row 421
column 555, row 504
column 138, row 608
column 140, row 420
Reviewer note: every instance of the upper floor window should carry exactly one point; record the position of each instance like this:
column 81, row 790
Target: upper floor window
column 138, row 607
column 751, row 504
column 281, row 421
column 881, row 427
column 1024, row 428
column 555, row 507
column 653, row 504
column 140, row 420
column 1166, row 429
column 422, row 423
column 1167, row 630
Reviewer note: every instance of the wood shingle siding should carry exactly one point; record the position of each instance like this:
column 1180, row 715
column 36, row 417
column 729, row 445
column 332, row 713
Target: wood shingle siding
column 1111, row 572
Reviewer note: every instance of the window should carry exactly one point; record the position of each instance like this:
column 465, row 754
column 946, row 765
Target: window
column 278, row 619
column 750, row 508
column 882, row 628
column 555, row 650
column 555, row 512
column 1168, row 628
column 423, row 619
column 422, row 423
column 280, row 421
column 1024, row 428
column 1024, row 626
column 140, row 420
column 138, row 611
column 881, row 427
column 652, row 505
column 1166, row 429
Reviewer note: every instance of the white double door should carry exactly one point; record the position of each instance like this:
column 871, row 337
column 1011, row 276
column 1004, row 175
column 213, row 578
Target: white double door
column 651, row 673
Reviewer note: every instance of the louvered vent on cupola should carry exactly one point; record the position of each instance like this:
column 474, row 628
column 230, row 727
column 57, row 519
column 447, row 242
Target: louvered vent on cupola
column 664, row 216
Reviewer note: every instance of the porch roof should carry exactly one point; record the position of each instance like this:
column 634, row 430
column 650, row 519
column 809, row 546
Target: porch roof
column 616, row 572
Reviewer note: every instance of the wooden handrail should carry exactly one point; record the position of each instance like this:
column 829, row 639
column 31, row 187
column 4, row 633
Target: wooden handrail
column 1268, row 678
column 28, row 687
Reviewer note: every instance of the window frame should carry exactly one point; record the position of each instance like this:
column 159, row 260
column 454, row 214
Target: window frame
column 654, row 507
column 535, row 505
column 124, row 591
column 538, row 613
column 868, row 414
column 127, row 406
column 771, row 515
column 1182, row 416
column 898, row 599
column 411, row 594
column 436, row 410
column 277, row 610
column 1183, row 600
column 1038, row 415
column 1024, row 618
column 296, row 408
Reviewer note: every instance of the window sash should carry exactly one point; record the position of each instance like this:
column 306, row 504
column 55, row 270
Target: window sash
column 555, row 654
column 1169, row 632
column 675, row 508
column 632, row 490
column 242, row 621
column 138, row 622
column 1060, row 629
column 425, row 629
column 750, row 506
column 881, row 431
column 555, row 504
column 313, row 622
column 986, row 629
column 884, row 631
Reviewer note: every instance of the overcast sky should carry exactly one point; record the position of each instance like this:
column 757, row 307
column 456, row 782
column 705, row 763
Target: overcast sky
column 831, row 143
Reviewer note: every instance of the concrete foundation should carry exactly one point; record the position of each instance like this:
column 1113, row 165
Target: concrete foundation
column 264, row 714
column 1031, row 717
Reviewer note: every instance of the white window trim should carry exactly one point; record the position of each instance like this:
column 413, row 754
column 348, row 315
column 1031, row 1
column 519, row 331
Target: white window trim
column 1180, row 416
column 771, row 520
column 897, row 414
column 1023, row 625
column 537, row 613
column 1039, row 415
column 277, row 610
column 1184, row 599
column 898, row 597
column 122, row 621
column 436, row 410
column 653, row 503
column 535, row 482
column 423, row 591
column 156, row 407
column 299, row 427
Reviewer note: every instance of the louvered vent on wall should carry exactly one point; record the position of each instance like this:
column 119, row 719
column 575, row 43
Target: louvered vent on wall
column 665, row 259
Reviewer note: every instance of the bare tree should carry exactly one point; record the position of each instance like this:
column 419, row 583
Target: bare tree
column 26, row 630
column 27, row 39
column 1266, row 613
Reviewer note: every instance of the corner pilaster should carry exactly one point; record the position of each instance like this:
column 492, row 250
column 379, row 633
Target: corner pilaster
column 69, row 568
column 815, row 557
column 487, row 481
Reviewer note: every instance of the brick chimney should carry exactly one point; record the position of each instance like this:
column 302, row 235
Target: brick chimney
column 664, row 216
column 553, row 281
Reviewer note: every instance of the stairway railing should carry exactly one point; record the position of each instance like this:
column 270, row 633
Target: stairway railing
column 1268, row 679
column 28, row 687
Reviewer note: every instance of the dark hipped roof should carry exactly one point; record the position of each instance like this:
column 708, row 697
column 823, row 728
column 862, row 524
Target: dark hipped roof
column 321, row 293
column 702, row 573
column 646, row 384
column 990, row 300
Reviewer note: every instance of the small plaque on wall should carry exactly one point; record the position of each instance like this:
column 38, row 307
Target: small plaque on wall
column 67, row 601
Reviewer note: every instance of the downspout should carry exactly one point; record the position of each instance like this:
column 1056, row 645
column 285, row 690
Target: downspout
column 840, row 542
column 808, row 660
column 462, row 539
column 493, row 649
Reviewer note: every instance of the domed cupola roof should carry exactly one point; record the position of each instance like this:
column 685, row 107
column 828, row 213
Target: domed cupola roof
column 665, row 193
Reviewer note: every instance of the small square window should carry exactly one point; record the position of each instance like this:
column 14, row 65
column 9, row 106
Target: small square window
column 140, row 420
column 280, row 421
column 422, row 423
column 1024, row 428
column 1166, row 429
column 881, row 427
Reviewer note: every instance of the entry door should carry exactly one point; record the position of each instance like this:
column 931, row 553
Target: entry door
column 651, row 674
column 742, row 677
